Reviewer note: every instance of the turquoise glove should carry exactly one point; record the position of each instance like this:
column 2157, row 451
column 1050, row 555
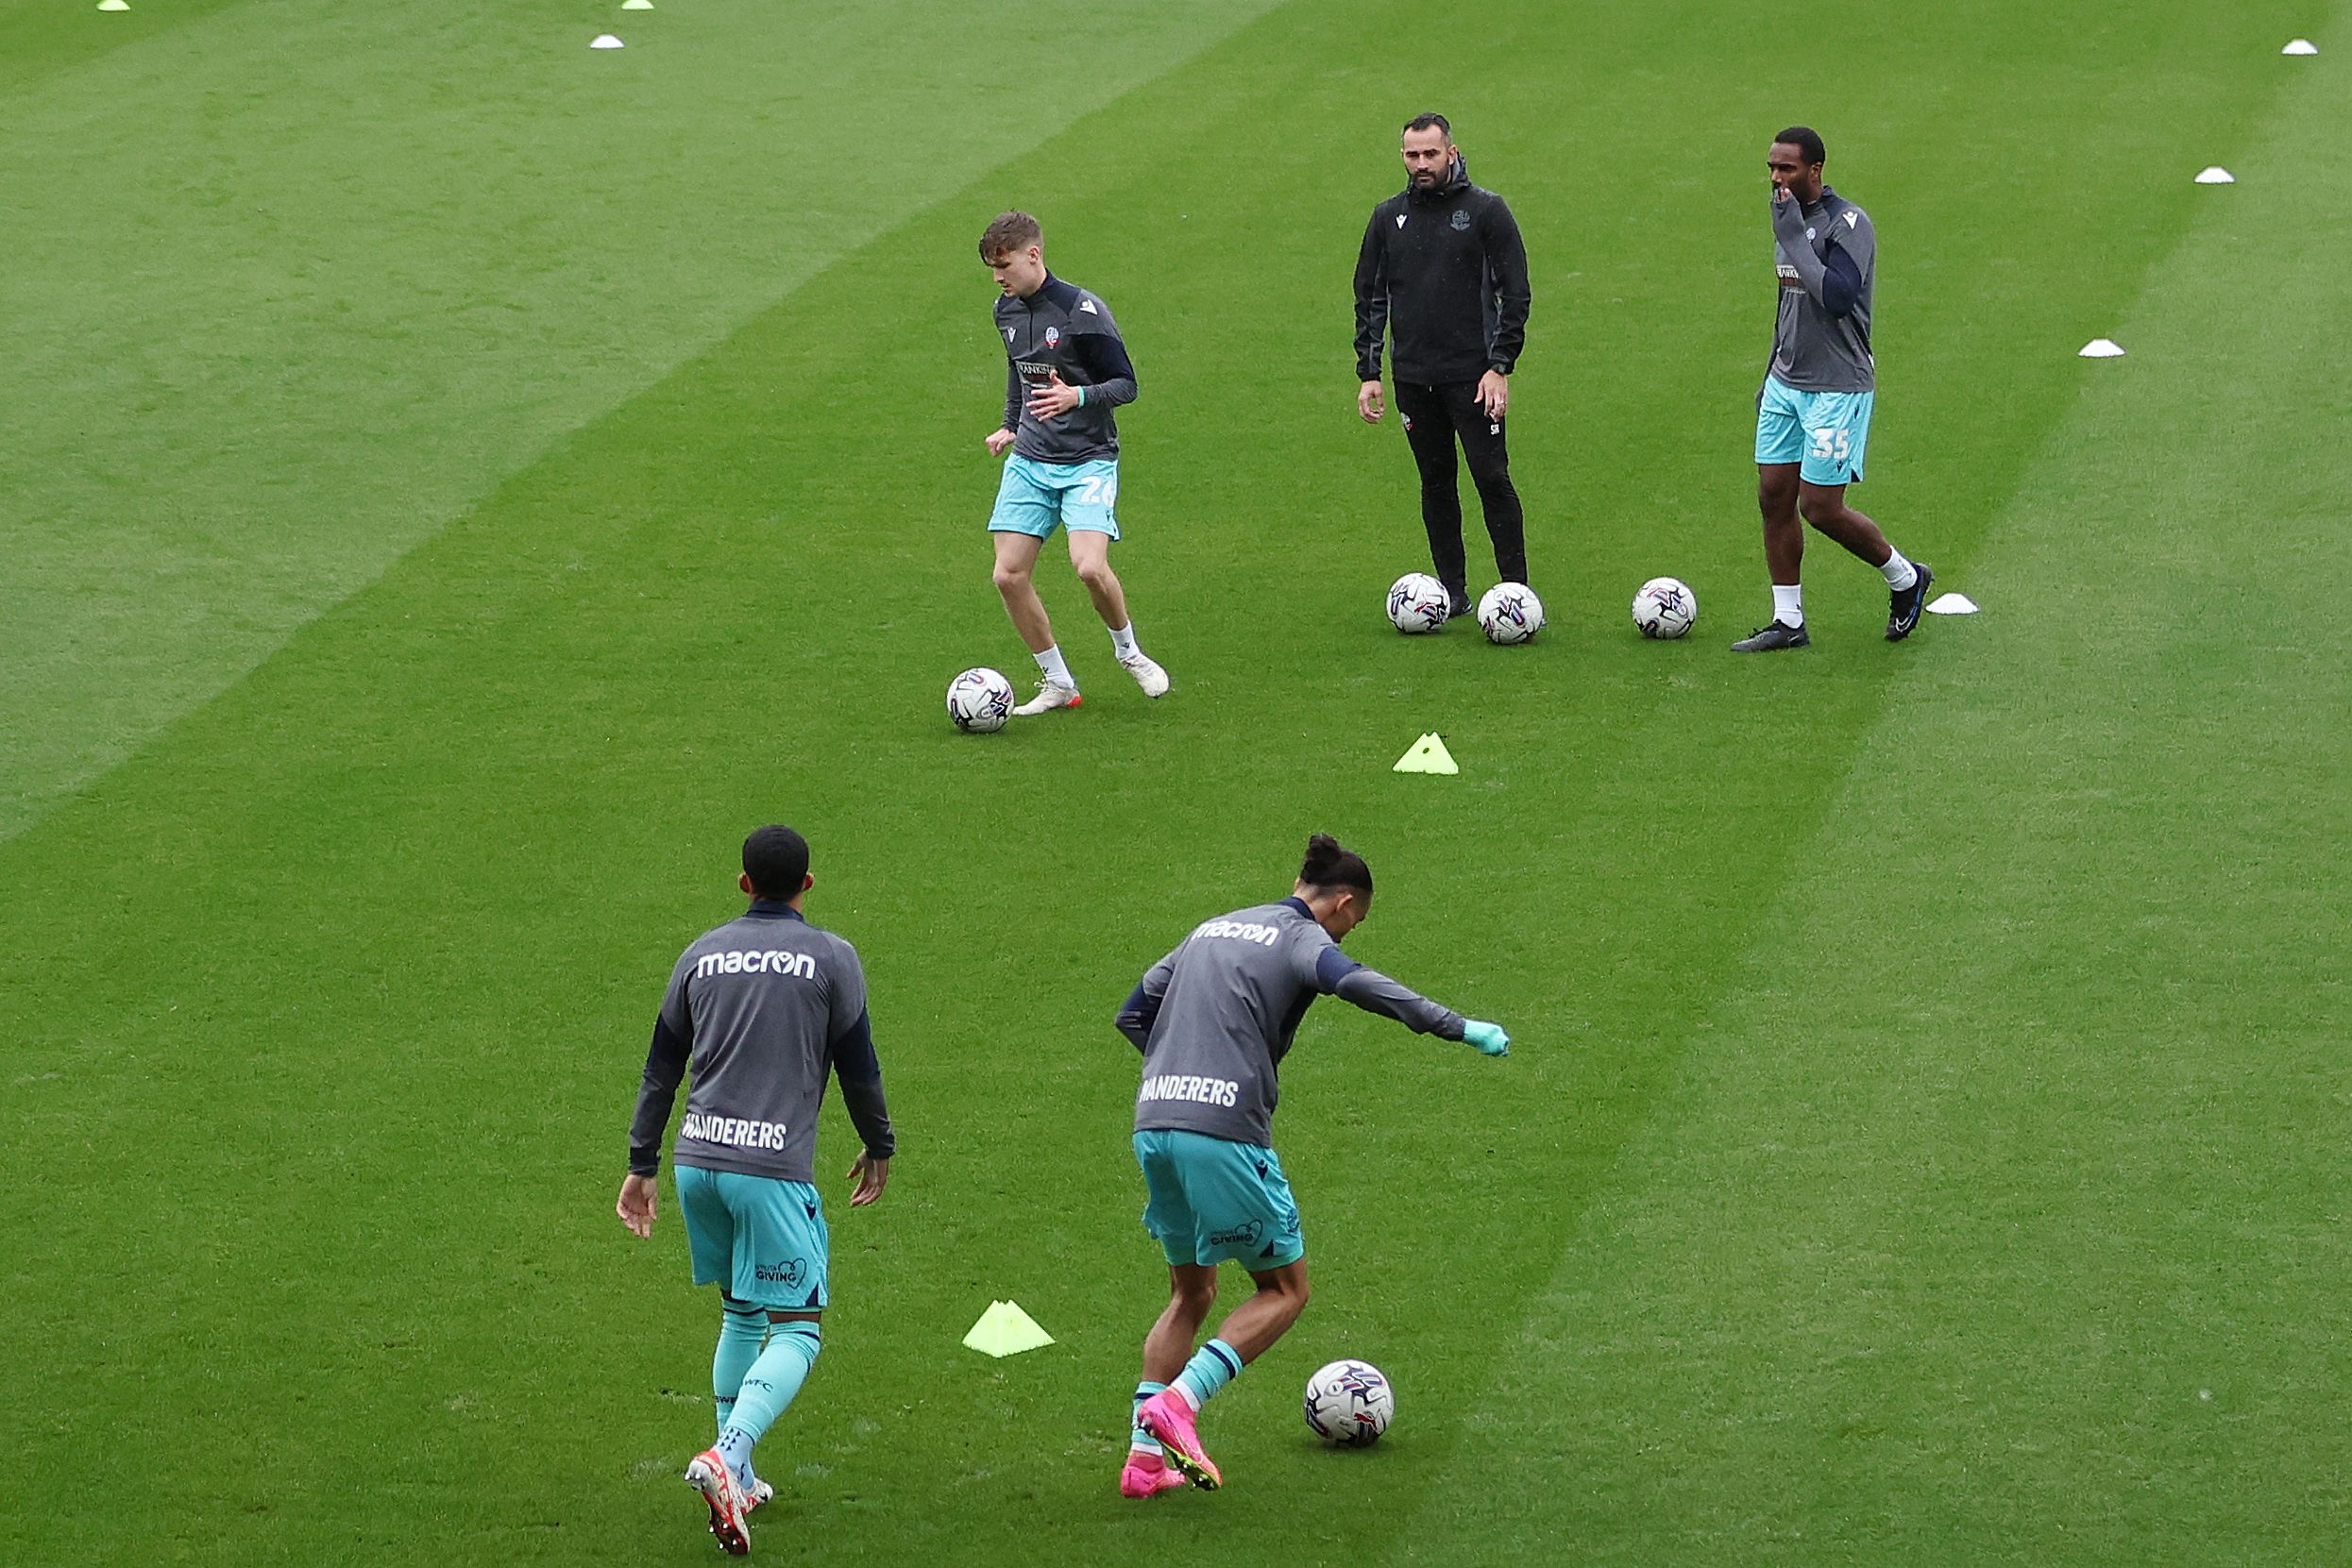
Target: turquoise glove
column 1488, row 1037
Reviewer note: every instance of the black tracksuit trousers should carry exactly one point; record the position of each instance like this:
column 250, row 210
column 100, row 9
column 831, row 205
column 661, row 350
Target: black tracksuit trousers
column 1433, row 416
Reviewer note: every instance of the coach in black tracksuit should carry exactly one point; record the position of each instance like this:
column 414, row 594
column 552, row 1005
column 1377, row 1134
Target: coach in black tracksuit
column 1443, row 272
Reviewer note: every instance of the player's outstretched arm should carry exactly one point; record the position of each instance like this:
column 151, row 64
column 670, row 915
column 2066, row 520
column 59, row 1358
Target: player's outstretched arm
column 1336, row 974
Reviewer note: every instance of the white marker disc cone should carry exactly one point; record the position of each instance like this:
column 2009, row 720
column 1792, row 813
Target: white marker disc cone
column 2301, row 46
column 2216, row 175
column 2103, row 348
column 605, row 41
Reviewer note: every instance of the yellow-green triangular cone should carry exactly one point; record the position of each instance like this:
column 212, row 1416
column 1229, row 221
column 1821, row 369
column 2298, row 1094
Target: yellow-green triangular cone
column 114, row 5
column 1005, row 1330
column 1428, row 755
column 637, row 5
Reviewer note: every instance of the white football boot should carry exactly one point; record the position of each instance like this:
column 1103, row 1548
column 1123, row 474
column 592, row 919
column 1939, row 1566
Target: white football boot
column 1052, row 694
column 1147, row 673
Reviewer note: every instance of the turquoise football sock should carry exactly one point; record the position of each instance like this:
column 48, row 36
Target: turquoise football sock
column 768, row 1390
column 742, row 1330
column 1212, row 1366
column 1138, row 1439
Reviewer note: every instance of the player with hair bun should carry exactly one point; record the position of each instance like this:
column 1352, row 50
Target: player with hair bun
column 1213, row 1019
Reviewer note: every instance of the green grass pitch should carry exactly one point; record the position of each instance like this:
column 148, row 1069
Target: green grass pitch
column 452, row 483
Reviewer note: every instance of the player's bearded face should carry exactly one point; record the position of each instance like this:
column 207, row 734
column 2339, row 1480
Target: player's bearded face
column 1427, row 157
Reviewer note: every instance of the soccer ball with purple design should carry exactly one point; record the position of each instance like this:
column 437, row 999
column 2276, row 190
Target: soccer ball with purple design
column 1510, row 613
column 1349, row 1403
column 1418, row 602
column 979, row 700
column 1665, row 607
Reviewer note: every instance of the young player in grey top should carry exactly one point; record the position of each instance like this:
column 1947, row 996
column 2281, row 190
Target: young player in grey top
column 764, row 1008
column 1814, row 409
column 1066, row 370
column 1214, row 1019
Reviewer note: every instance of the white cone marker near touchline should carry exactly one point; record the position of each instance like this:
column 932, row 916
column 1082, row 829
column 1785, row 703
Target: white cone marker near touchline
column 2216, row 175
column 2102, row 348
column 605, row 41
column 1951, row 604
column 2301, row 46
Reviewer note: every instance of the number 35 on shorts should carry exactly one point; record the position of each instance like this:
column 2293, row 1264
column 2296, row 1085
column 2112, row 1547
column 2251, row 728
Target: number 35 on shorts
column 1832, row 444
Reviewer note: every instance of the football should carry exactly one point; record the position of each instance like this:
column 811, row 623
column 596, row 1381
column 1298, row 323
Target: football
column 979, row 700
column 1665, row 607
column 1418, row 602
column 1510, row 613
column 1349, row 1403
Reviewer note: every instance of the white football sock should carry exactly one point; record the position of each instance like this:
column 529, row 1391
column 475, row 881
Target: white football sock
column 1901, row 574
column 1788, row 604
column 1123, row 640
column 1051, row 665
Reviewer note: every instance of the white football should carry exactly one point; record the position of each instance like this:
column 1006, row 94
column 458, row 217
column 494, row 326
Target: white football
column 1510, row 613
column 1418, row 602
column 1665, row 607
column 1349, row 1403
column 979, row 700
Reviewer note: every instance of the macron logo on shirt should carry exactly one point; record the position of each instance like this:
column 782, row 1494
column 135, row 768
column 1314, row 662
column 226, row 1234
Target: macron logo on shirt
column 1241, row 931
column 799, row 966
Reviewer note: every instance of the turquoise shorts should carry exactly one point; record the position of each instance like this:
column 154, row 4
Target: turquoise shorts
column 1211, row 1199
column 758, row 1238
column 1825, row 431
column 1035, row 499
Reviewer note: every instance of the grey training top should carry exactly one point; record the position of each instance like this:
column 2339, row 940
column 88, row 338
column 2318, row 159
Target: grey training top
column 1063, row 330
column 1215, row 1018
column 1827, row 258
column 762, row 1008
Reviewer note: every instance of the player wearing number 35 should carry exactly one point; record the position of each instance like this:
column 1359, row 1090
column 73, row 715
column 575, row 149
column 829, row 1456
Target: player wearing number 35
column 1813, row 415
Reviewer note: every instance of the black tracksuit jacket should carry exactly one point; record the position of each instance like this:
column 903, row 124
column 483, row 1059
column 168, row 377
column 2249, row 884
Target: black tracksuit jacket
column 1445, row 272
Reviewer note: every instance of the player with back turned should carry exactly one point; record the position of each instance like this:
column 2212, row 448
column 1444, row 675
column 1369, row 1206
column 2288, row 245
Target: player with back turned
column 1214, row 1019
column 763, row 1009
column 1443, row 274
column 1813, row 413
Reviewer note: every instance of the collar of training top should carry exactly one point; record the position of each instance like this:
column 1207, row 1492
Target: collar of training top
column 1295, row 902
column 1053, row 292
column 775, row 909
